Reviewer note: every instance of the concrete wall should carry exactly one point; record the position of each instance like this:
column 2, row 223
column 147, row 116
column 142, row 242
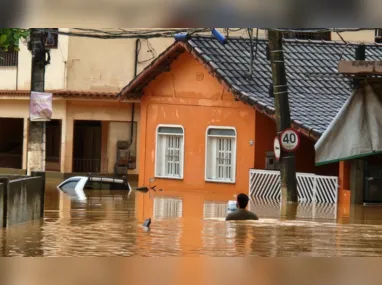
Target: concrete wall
column 108, row 65
column 8, row 75
column 361, row 36
column 21, row 199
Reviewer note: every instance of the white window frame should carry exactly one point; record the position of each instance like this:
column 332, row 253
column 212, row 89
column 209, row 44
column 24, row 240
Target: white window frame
column 181, row 163
column 234, row 152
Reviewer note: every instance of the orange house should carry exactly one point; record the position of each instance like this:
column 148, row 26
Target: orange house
column 204, row 124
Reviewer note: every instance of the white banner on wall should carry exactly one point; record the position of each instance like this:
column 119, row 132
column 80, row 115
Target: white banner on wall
column 40, row 106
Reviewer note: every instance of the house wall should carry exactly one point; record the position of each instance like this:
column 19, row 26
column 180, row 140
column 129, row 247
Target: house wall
column 305, row 154
column 108, row 65
column 19, row 78
column 189, row 96
column 359, row 36
column 265, row 133
column 105, row 65
column 70, row 110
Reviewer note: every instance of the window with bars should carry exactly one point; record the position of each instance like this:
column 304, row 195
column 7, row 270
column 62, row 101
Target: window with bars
column 51, row 39
column 169, row 152
column 9, row 58
column 221, row 154
column 378, row 35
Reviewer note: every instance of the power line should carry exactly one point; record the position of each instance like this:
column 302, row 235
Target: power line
column 322, row 30
column 122, row 33
column 126, row 34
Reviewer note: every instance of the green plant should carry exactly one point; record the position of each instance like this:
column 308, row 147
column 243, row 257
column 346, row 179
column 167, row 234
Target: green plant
column 10, row 38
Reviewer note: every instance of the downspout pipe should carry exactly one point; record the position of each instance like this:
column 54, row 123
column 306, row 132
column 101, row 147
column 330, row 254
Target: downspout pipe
column 137, row 43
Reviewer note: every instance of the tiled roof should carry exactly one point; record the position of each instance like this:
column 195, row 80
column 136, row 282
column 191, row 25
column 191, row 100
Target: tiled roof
column 316, row 90
column 64, row 93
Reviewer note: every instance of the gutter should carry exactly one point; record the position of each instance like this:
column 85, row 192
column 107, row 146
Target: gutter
column 137, row 43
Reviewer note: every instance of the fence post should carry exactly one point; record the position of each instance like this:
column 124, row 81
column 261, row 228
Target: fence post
column 314, row 196
column 314, row 200
column 249, row 183
column 4, row 206
column 42, row 175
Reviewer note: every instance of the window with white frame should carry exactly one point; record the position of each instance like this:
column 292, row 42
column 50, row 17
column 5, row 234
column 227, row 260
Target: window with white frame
column 169, row 152
column 221, row 154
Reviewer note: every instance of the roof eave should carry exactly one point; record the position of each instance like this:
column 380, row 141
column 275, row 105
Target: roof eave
column 149, row 70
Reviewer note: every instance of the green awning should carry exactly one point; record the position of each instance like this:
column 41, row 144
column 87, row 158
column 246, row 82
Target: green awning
column 356, row 131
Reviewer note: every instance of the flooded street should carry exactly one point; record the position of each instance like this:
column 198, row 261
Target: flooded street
column 109, row 223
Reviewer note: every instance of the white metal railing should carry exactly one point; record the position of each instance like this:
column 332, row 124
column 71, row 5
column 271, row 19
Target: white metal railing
column 265, row 208
column 265, row 184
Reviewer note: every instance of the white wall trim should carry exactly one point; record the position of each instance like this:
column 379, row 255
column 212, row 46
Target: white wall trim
column 182, row 153
column 234, row 154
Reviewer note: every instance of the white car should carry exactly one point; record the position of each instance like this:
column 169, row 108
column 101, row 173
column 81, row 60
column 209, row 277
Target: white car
column 75, row 186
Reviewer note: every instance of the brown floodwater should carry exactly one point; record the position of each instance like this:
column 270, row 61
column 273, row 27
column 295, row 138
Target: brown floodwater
column 109, row 223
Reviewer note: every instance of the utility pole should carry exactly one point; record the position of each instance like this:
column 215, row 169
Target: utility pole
column 283, row 120
column 36, row 139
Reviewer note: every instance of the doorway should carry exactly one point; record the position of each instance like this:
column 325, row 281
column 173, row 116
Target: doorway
column 11, row 143
column 87, row 146
column 373, row 179
column 53, row 145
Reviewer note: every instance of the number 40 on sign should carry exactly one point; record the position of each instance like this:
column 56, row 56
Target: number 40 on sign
column 290, row 140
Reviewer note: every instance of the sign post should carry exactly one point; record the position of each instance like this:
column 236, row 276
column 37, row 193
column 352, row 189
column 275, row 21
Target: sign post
column 277, row 148
column 290, row 140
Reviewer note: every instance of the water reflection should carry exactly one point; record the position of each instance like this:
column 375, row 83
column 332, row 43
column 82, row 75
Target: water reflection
column 165, row 207
column 214, row 209
column 273, row 209
column 187, row 223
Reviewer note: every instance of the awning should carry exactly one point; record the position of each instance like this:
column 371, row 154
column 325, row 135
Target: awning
column 356, row 131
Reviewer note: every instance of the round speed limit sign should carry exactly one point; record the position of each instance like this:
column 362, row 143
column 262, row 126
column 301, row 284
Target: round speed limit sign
column 290, row 140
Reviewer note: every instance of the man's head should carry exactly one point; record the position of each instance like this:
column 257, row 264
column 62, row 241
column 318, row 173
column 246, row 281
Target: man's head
column 242, row 201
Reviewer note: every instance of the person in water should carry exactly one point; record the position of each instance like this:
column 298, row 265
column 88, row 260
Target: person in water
column 241, row 213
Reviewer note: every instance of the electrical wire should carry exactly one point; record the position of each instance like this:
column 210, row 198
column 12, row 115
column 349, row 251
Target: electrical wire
column 122, row 33
column 125, row 34
column 149, row 49
column 323, row 30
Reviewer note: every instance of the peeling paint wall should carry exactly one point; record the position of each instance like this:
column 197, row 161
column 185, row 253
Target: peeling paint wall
column 108, row 65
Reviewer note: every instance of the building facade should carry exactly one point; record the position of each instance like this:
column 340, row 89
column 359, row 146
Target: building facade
column 85, row 75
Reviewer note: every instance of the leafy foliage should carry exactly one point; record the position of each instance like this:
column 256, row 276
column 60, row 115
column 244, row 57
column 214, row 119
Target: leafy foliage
column 10, row 37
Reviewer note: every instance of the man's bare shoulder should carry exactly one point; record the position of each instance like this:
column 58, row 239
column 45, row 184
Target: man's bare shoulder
column 241, row 215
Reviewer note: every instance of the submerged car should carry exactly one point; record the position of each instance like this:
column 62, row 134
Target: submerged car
column 75, row 186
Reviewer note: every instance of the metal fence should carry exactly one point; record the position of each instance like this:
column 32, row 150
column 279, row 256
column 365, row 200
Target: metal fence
column 311, row 188
column 266, row 208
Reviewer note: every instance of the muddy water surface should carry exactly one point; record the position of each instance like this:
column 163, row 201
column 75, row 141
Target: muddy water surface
column 109, row 223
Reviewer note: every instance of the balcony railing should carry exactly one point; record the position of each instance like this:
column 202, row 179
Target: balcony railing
column 9, row 58
column 87, row 165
